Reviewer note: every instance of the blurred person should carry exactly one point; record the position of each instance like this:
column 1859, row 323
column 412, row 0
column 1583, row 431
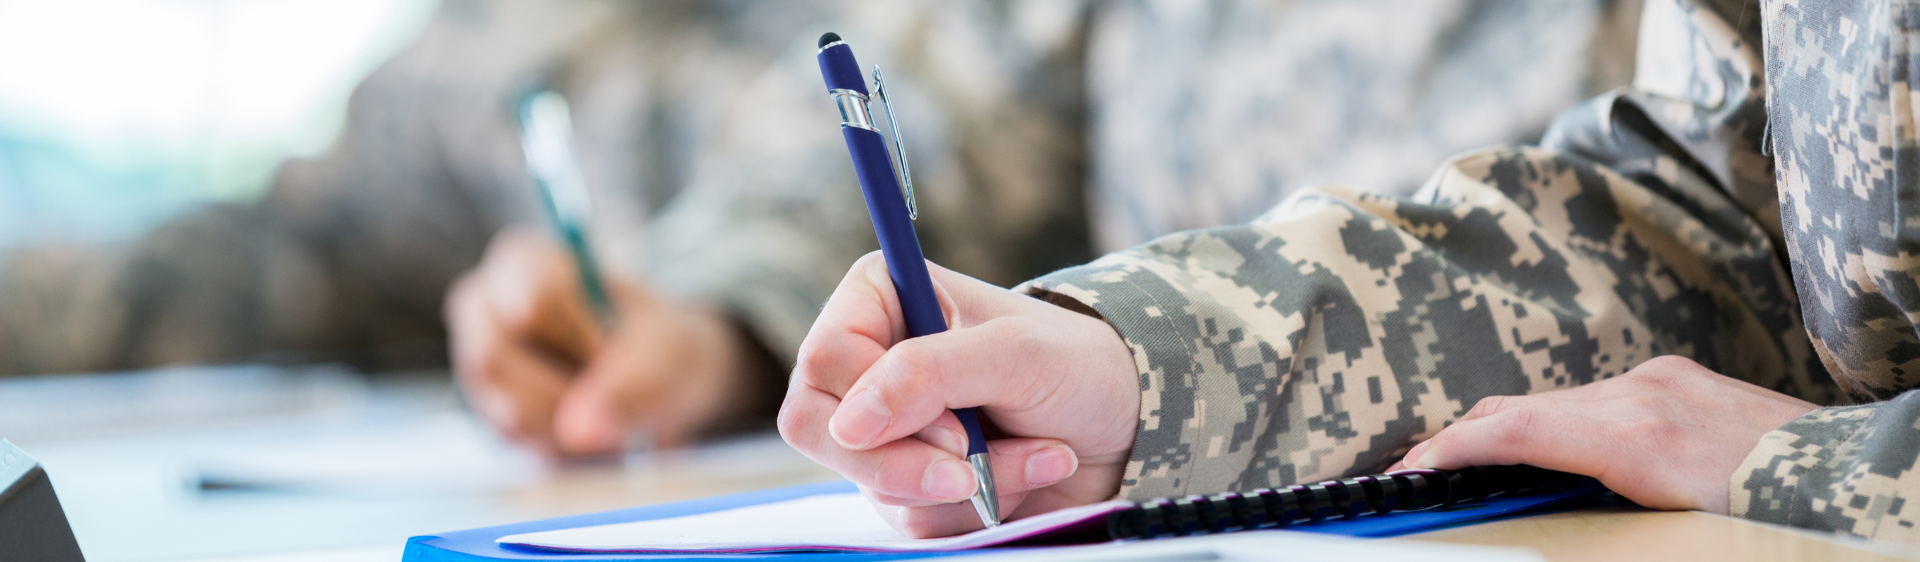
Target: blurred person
column 1673, row 292
column 1041, row 132
column 1036, row 135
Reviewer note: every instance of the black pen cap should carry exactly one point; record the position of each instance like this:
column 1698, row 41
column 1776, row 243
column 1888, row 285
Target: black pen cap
column 838, row 65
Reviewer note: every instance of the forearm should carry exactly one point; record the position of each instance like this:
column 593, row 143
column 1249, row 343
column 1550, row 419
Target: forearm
column 1335, row 331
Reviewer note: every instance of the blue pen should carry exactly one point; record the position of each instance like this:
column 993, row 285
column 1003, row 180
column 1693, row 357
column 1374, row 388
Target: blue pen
column 893, row 214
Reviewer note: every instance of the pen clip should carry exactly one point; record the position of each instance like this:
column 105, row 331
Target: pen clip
column 899, row 147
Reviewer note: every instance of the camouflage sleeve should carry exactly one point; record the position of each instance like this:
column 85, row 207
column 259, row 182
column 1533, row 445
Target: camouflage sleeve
column 1844, row 469
column 1334, row 332
column 1843, row 136
column 1330, row 334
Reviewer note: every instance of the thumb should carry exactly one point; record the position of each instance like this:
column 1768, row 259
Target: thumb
column 608, row 399
column 532, row 287
column 589, row 420
column 666, row 373
column 918, row 380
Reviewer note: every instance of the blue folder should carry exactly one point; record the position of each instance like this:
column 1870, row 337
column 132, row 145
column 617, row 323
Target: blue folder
column 477, row 544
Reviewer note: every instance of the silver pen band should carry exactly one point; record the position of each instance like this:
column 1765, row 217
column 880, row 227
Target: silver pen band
column 985, row 501
column 853, row 109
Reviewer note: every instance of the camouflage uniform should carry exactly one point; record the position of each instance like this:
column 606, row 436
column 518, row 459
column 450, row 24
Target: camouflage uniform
column 1844, row 142
column 719, row 175
column 1327, row 336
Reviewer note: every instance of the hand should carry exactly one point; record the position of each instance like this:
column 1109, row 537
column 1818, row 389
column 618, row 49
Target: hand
column 1667, row 434
column 1058, row 385
column 533, row 363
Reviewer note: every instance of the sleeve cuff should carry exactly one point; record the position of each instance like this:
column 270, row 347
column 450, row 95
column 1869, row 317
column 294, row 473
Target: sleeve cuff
column 1173, row 451
column 1846, row 469
column 1767, row 483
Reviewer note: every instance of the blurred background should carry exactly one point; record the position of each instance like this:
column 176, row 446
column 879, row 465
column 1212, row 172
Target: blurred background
column 118, row 114
column 272, row 272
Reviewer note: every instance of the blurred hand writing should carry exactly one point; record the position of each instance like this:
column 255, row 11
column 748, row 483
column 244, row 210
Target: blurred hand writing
column 1058, row 387
column 533, row 363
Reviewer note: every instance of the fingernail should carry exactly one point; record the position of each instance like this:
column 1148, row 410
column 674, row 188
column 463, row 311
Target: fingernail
column 1050, row 465
column 1415, row 456
column 860, row 420
column 946, row 439
column 586, row 429
column 948, row 479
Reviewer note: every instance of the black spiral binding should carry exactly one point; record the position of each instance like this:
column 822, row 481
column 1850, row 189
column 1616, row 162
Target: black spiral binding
column 1408, row 490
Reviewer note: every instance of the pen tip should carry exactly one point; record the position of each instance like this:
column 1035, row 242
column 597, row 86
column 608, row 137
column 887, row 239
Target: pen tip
column 829, row 38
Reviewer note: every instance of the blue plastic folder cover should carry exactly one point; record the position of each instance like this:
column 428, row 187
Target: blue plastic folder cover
column 478, row 544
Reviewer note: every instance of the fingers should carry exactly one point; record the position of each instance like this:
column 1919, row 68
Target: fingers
column 943, row 520
column 1019, row 465
column 862, row 320
column 907, row 468
column 671, row 372
column 1539, row 436
column 523, row 338
column 512, row 387
column 920, row 379
column 511, row 345
column 912, row 472
column 1666, row 435
column 602, row 406
column 534, row 291
column 874, row 406
column 918, row 519
column 857, row 325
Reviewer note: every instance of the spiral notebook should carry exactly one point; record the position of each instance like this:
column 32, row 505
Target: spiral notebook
column 845, row 523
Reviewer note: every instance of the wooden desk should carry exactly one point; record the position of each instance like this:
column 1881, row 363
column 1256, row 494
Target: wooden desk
column 351, row 479
column 1610, row 533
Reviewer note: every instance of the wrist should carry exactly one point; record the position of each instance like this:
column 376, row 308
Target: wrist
column 1118, row 372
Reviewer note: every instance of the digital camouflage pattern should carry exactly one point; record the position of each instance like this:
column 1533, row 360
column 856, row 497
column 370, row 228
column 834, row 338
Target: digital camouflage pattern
column 1844, row 139
column 1329, row 335
column 1321, row 338
column 718, row 174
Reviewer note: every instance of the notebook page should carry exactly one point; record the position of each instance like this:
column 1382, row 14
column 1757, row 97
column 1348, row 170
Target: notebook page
column 823, row 522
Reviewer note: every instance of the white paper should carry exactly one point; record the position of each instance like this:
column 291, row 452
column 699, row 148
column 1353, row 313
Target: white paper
column 1266, row 546
column 847, row 522
column 822, row 522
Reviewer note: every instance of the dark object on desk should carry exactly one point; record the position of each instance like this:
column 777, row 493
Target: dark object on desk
column 1380, row 494
column 32, row 525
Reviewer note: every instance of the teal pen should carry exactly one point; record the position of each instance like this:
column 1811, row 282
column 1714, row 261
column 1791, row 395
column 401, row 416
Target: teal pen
column 546, row 135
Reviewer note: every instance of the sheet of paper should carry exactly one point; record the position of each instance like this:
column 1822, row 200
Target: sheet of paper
column 823, row 522
column 1266, row 546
